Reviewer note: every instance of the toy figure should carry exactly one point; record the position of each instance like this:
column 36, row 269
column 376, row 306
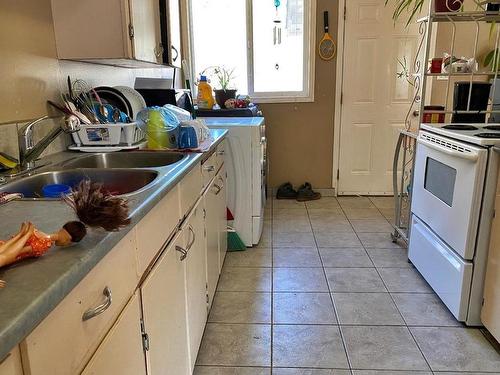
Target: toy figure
column 93, row 207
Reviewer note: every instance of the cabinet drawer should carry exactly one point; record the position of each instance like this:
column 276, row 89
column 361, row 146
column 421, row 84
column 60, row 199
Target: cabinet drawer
column 190, row 189
column 11, row 365
column 63, row 342
column 209, row 169
column 156, row 227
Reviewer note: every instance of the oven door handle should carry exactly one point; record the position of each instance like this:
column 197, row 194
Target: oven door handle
column 471, row 156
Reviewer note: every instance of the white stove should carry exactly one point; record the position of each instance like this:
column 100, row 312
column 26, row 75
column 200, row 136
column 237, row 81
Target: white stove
column 454, row 188
column 479, row 134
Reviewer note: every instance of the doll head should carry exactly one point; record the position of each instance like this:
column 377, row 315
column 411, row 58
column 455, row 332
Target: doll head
column 72, row 231
column 94, row 208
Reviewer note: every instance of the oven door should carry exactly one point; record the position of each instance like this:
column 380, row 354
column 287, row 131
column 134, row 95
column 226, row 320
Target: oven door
column 448, row 188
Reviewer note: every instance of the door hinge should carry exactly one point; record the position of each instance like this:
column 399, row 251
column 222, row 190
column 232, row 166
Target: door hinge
column 482, row 302
column 204, row 213
column 208, row 299
column 130, row 31
column 345, row 12
column 494, row 213
column 338, row 174
column 145, row 337
column 341, row 98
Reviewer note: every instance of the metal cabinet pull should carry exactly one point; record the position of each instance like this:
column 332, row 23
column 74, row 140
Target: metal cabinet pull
column 191, row 242
column 90, row 313
column 209, row 168
column 176, row 53
column 183, row 252
column 219, row 188
column 220, row 153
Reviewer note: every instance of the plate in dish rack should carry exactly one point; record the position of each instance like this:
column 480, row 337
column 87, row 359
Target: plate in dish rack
column 107, row 148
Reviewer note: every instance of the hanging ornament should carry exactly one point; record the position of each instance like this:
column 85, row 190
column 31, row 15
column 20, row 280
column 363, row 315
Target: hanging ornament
column 277, row 24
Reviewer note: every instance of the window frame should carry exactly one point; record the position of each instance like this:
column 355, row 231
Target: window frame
column 304, row 96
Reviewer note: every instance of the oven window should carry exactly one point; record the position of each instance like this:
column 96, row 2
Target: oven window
column 440, row 180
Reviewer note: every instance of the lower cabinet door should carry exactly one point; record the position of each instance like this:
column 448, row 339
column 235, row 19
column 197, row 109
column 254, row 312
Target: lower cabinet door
column 121, row 351
column 220, row 180
column 164, row 313
column 11, row 365
column 196, row 279
column 212, row 235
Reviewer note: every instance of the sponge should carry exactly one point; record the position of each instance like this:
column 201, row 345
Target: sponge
column 7, row 162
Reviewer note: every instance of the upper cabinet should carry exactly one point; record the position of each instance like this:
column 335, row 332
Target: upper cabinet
column 128, row 33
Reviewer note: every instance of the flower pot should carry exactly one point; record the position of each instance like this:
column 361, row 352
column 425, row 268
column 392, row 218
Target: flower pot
column 447, row 5
column 222, row 95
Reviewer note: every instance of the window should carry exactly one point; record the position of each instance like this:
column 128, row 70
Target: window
column 271, row 49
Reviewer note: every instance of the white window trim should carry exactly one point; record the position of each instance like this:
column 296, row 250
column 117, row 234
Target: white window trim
column 305, row 96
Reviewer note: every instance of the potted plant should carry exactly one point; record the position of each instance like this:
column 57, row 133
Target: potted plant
column 414, row 7
column 224, row 77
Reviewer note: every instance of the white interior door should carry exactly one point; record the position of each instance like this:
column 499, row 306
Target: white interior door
column 375, row 100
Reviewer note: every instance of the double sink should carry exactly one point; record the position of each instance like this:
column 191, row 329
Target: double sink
column 119, row 173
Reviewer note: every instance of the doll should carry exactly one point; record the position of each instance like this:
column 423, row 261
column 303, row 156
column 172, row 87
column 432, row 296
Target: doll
column 93, row 208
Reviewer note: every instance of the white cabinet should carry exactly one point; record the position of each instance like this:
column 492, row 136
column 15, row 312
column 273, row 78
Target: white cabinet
column 115, row 32
column 221, row 180
column 164, row 312
column 210, row 200
column 196, row 279
column 11, row 365
column 171, row 32
column 121, row 351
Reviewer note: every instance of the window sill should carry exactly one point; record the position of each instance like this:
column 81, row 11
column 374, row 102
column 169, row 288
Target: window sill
column 283, row 99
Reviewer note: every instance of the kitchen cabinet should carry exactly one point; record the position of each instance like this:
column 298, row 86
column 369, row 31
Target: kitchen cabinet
column 196, row 279
column 490, row 312
column 124, row 341
column 170, row 19
column 210, row 201
column 164, row 310
column 114, row 32
column 11, row 365
column 222, row 215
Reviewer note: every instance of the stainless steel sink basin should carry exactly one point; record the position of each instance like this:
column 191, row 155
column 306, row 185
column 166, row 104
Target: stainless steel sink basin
column 117, row 181
column 135, row 159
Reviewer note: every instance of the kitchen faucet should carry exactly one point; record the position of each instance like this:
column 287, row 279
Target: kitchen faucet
column 29, row 151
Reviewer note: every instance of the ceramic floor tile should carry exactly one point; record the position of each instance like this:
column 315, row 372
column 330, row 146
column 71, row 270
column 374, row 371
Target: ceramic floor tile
column 383, row 202
column 289, row 214
column 404, row 280
column 371, row 225
column 344, row 257
column 381, row 372
column 388, row 213
column 325, row 202
column 235, row 345
column 355, row 202
column 386, row 258
column 378, row 240
column 299, row 280
column 266, row 237
column 456, row 349
column 251, row 257
column 354, row 280
column 331, row 225
column 303, row 308
column 284, row 239
column 366, row 309
column 296, row 257
column 386, row 348
column 245, row 279
column 340, row 239
column 308, row 346
column 210, row 370
column 287, row 203
column 326, row 213
column 301, row 225
column 308, row 371
column 363, row 213
column 421, row 309
column 241, row 307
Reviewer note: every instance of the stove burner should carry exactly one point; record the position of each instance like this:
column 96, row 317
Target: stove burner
column 488, row 135
column 459, row 127
column 492, row 127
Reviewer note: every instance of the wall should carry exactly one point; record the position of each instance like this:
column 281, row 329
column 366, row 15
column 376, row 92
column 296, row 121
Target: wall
column 300, row 135
column 30, row 73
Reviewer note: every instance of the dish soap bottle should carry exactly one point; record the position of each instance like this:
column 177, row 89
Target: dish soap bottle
column 205, row 98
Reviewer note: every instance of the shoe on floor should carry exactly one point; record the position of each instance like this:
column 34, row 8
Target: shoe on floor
column 286, row 191
column 306, row 193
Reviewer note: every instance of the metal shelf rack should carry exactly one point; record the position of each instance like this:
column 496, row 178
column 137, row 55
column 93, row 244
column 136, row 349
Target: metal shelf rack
column 404, row 156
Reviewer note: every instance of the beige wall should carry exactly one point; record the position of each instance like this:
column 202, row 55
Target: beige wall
column 300, row 135
column 30, row 73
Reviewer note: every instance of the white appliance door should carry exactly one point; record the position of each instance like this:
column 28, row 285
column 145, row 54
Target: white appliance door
column 449, row 275
column 447, row 189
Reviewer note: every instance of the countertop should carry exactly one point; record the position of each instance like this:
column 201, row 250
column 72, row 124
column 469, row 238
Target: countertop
column 35, row 287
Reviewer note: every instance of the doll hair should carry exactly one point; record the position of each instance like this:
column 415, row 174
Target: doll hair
column 96, row 209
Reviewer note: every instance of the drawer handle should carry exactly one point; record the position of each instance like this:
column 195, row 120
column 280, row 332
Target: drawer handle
column 191, row 242
column 209, row 168
column 183, row 252
column 219, row 188
column 220, row 153
column 90, row 313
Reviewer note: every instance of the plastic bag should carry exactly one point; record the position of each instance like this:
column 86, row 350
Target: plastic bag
column 161, row 126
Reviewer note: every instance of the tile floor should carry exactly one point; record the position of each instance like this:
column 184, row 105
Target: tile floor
column 326, row 292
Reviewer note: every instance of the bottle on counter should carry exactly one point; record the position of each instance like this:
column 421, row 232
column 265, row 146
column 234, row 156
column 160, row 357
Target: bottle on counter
column 205, row 97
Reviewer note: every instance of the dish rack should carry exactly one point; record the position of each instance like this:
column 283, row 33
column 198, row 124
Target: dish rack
column 108, row 134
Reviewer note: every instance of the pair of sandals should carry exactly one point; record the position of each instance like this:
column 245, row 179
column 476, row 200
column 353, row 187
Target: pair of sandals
column 303, row 194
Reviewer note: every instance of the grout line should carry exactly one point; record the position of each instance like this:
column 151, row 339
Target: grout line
column 272, row 286
column 342, row 337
